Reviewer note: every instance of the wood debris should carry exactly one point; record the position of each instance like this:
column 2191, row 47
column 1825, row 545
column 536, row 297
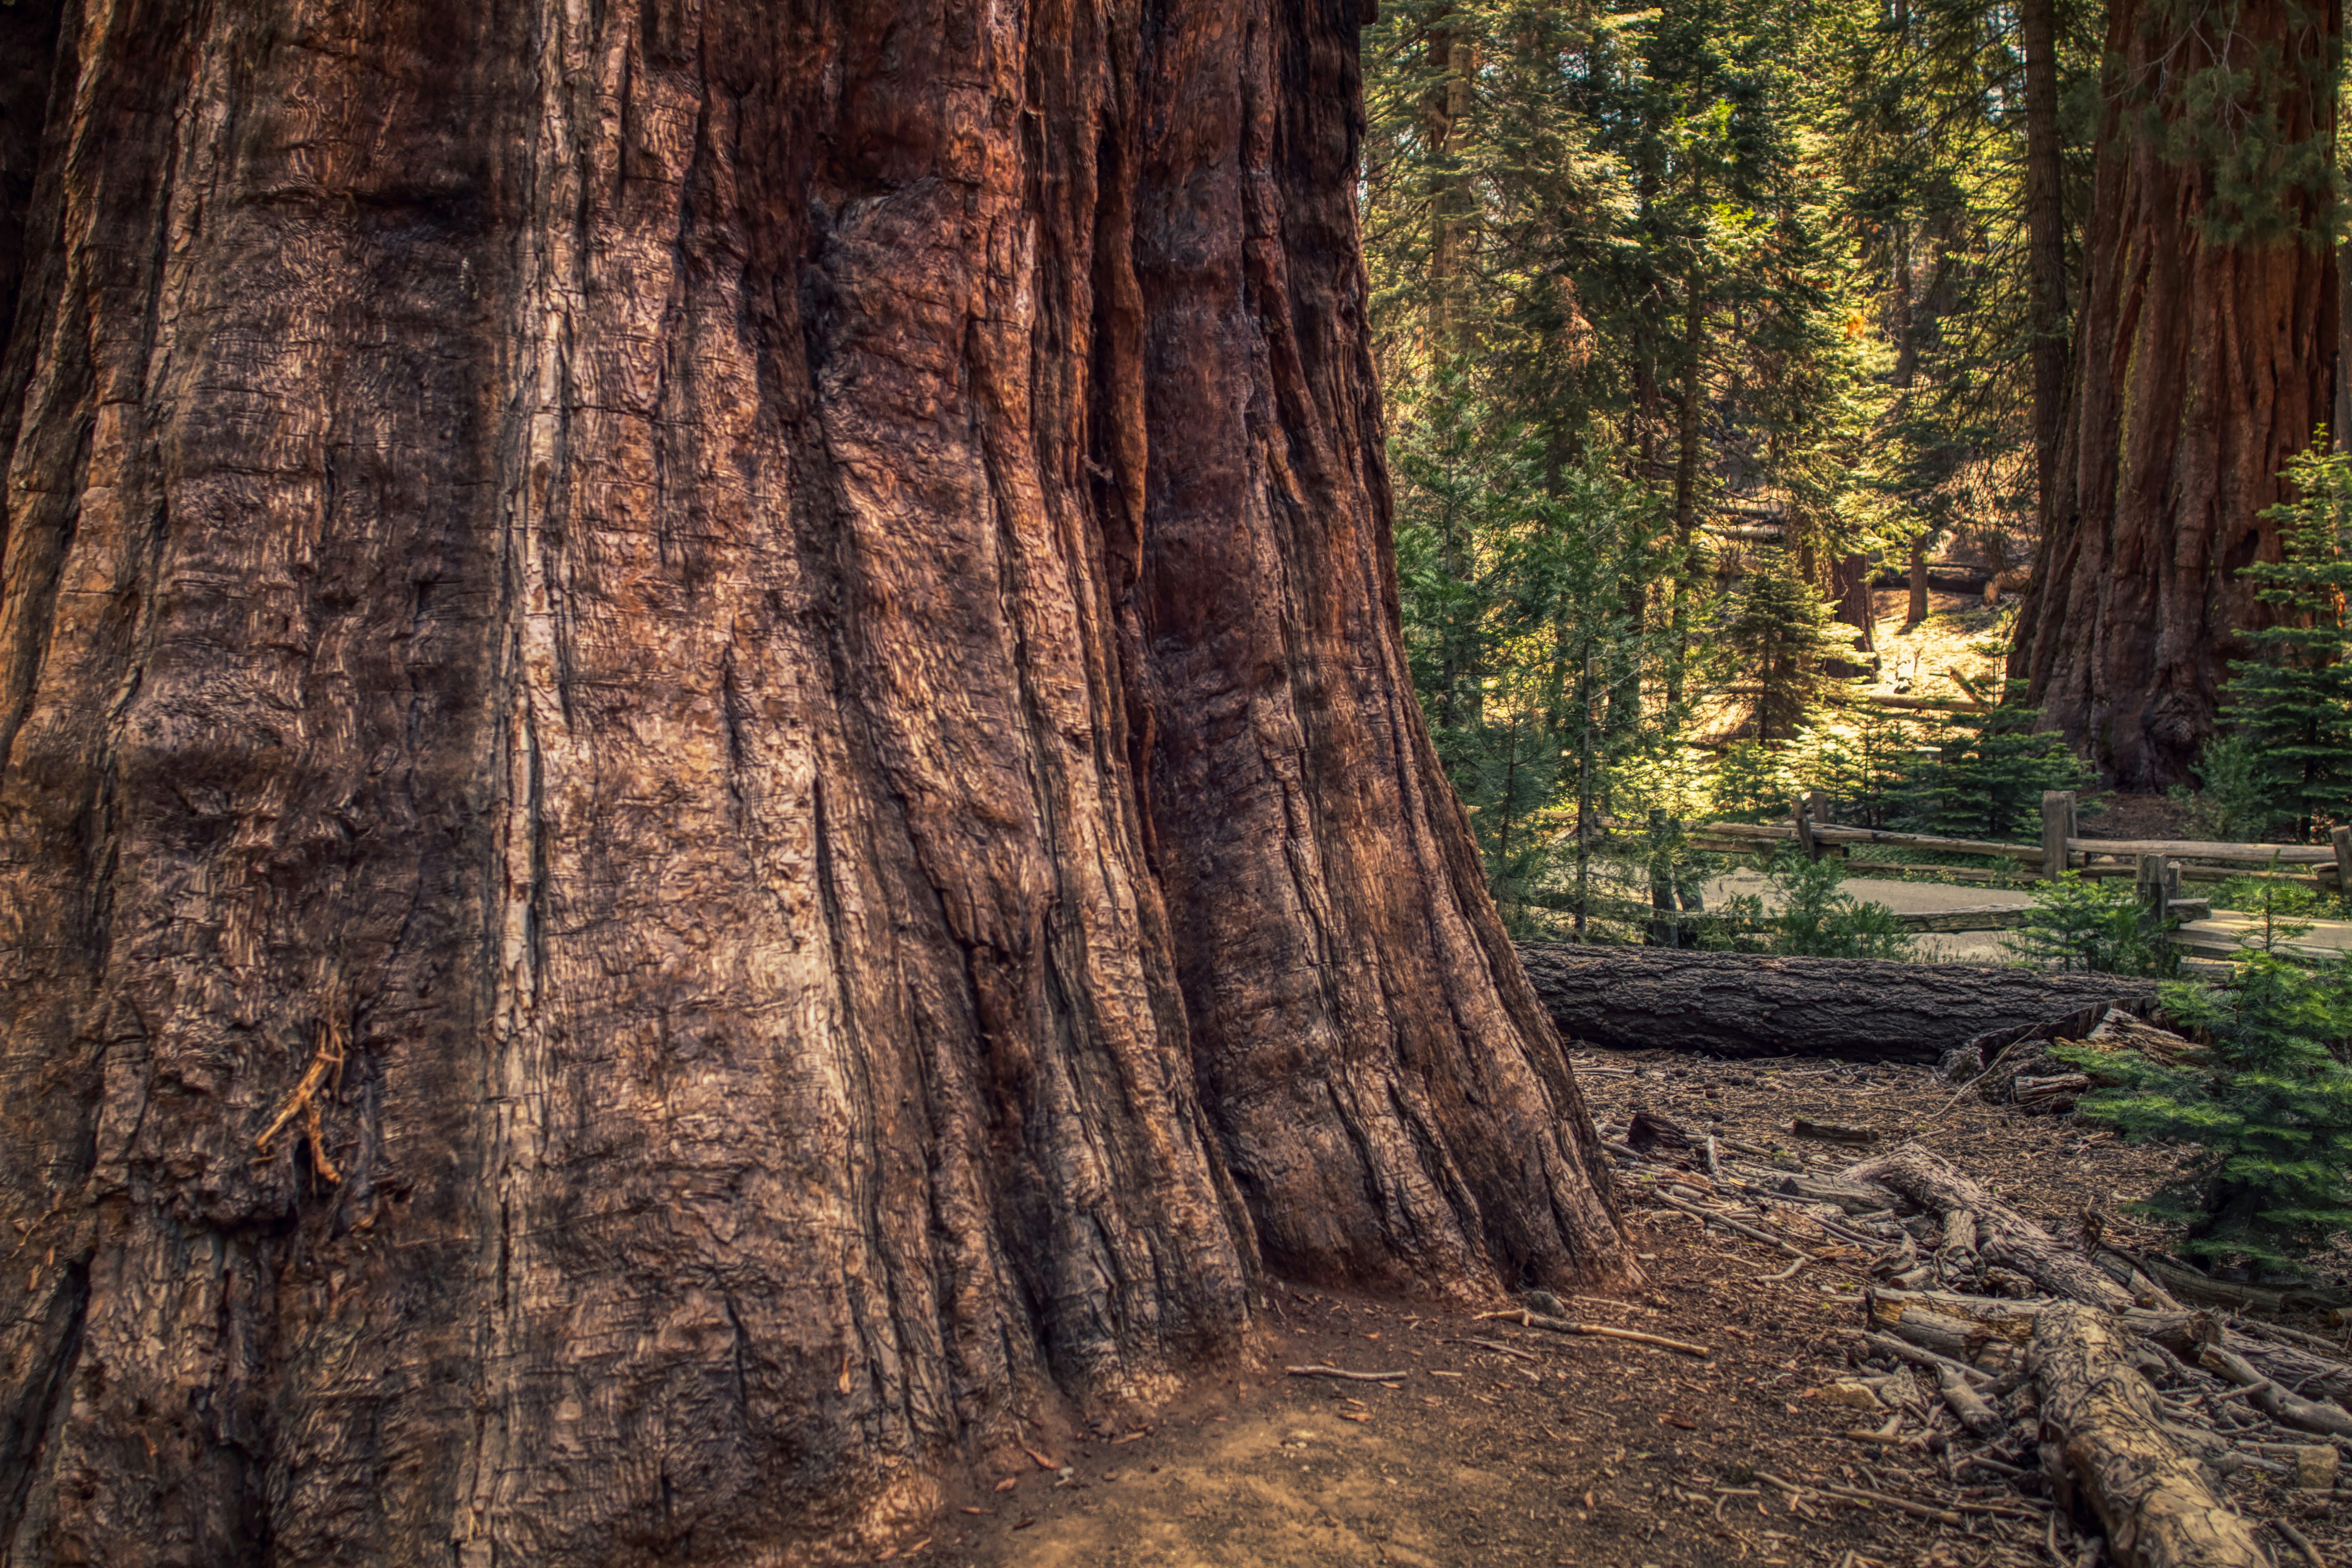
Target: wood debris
column 2090, row 1364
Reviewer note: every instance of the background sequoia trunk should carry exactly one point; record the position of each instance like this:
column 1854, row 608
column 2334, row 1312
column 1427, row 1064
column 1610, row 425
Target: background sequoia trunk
column 767, row 632
column 2202, row 363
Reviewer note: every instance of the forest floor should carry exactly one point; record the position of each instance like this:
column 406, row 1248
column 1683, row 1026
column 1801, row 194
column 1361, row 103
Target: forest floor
column 1962, row 637
column 1503, row 1444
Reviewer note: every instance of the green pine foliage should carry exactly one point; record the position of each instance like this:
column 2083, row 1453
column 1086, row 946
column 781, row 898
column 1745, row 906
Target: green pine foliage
column 1776, row 631
column 1988, row 777
column 2089, row 926
column 1663, row 291
column 2264, row 1108
column 2290, row 704
column 1864, row 765
column 1524, row 601
column 1806, row 914
column 2282, row 910
column 2233, row 800
column 1750, row 784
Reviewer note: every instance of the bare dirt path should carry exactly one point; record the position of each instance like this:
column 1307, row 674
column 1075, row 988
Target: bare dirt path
column 1531, row 1447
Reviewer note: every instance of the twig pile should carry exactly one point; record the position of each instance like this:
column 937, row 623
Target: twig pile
column 2058, row 1364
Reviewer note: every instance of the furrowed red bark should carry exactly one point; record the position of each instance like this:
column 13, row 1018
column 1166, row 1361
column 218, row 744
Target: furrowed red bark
column 2200, row 367
column 768, row 634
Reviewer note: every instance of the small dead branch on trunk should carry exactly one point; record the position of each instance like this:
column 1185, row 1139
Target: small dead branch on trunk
column 327, row 1060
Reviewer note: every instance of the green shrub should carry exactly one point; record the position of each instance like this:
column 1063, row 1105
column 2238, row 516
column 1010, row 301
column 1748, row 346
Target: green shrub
column 2285, row 909
column 2086, row 925
column 1862, row 765
column 2291, row 702
column 1750, row 784
column 1813, row 919
column 1987, row 779
column 2265, row 1103
column 2232, row 800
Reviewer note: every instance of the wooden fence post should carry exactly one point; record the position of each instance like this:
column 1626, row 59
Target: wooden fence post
column 2158, row 881
column 1802, row 814
column 1822, row 810
column 2057, row 826
column 1665, row 930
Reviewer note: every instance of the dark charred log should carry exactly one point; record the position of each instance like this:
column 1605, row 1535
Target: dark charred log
column 1735, row 1005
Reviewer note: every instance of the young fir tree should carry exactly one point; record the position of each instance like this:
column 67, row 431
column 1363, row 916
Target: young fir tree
column 1778, row 635
column 1750, row 784
column 1864, row 765
column 2266, row 1105
column 2291, row 702
column 2082, row 924
column 1988, row 777
column 1523, row 599
column 1806, row 914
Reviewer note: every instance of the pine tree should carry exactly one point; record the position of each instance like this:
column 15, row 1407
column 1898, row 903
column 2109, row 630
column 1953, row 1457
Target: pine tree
column 1777, row 634
column 1806, row 914
column 2291, row 702
column 1863, row 762
column 1750, row 784
column 2087, row 925
column 1524, row 604
column 2266, row 1105
column 1988, row 777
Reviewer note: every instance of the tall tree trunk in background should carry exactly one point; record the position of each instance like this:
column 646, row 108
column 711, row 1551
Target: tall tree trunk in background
column 1906, row 369
column 1446, row 109
column 769, row 635
column 2045, row 229
column 1686, row 444
column 2202, row 364
column 1850, row 593
column 2339, row 424
column 1687, row 429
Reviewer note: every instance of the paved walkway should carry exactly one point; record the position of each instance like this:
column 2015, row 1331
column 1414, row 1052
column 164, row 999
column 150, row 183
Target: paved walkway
column 1984, row 947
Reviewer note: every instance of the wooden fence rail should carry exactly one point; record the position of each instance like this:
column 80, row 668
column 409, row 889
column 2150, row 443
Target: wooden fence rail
column 2326, row 866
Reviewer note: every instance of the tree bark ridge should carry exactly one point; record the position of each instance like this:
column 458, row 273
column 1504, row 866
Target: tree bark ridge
column 2194, row 374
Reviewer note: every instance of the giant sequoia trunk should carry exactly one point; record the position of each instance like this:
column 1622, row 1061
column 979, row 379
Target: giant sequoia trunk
column 708, row 785
column 2202, row 362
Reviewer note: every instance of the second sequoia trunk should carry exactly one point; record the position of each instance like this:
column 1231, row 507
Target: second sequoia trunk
column 2202, row 363
column 707, row 786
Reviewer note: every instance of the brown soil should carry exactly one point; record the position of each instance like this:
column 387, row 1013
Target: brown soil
column 1540, row 1448
column 1959, row 635
column 2139, row 816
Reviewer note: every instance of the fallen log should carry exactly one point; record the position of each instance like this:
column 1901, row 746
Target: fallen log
column 1854, row 1198
column 2263, row 1393
column 1740, row 1004
column 2153, row 1496
column 2003, row 1235
column 1917, row 1315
